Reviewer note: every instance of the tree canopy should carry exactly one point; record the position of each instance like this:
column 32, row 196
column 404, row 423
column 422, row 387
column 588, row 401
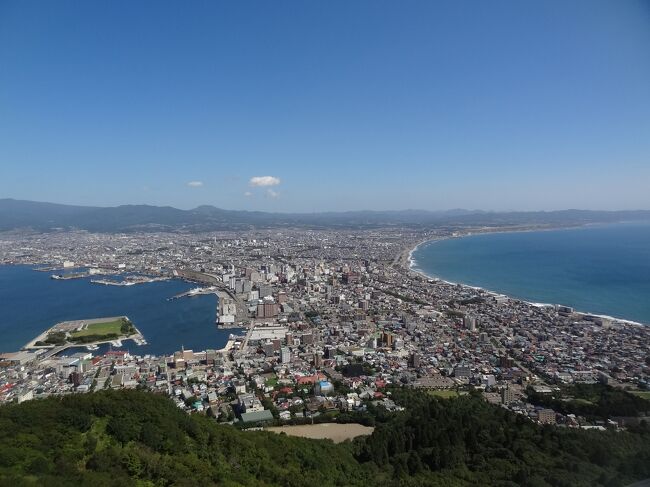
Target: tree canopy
column 138, row 438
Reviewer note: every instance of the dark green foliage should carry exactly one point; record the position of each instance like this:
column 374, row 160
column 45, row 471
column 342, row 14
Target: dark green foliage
column 138, row 438
column 93, row 338
column 127, row 327
column 127, row 437
column 54, row 338
column 592, row 400
column 467, row 440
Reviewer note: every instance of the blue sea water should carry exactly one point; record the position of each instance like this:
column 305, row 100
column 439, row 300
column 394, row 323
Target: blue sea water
column 31, row 302
column 598, row 269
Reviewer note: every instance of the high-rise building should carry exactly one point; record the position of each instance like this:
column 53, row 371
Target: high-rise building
column 505, row 361
column 415, row 360
column 387, row 339
column 285, row 355
column 318, row 360
column 265, row 290
column 267, row 309
column 508, row 396
column 469, row 322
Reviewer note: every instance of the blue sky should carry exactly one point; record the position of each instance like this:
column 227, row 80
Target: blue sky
column 336, row 105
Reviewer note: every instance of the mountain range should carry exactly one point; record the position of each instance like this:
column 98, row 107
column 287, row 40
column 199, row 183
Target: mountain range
column 40, row 216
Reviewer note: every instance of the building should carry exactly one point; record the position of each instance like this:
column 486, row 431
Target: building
column 318, row 360
column 469, row 322
column 263, row 416
column 462, row 372
column 546, row 416
column 267, row 348
column 265, row 290
column 508, row 396
column 506, row 362
column 323, row 388
column 415, row 360
column 387, row 339
column 227, row 308
column 248, row 403
column 350, row 277
column 267, row 309
column 285, row 355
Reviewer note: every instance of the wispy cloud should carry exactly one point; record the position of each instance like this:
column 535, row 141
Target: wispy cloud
column 264, row 181
column 248, row 194
column 195, row 184
column 272, row 194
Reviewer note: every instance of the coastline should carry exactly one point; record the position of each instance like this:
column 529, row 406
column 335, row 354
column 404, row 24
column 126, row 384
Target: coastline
column 410, row 266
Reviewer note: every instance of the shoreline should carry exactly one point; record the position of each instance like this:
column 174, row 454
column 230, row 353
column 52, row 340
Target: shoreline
column 410, row 264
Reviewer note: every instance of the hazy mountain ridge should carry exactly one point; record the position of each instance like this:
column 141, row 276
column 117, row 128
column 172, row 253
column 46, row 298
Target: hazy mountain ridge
column 40, row 216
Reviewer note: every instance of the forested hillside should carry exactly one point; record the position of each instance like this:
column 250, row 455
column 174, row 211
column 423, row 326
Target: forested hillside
column 137, row 438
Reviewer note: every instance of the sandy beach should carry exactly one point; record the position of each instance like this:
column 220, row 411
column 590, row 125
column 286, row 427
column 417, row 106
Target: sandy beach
column 406, row 260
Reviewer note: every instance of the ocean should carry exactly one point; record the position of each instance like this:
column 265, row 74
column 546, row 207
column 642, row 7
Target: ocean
column 31, row 302
column 602, row 269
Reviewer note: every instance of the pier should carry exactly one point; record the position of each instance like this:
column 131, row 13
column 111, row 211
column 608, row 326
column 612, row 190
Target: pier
column 231, row 310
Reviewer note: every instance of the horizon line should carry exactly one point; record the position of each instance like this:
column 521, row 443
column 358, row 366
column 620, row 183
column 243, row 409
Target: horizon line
column 366, row 210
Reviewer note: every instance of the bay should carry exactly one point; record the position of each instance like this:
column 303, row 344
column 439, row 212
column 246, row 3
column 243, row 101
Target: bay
column 31, row 302
column 597, row 269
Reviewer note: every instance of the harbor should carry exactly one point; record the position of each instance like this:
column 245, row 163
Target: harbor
column 164, row 323
column 129, row 281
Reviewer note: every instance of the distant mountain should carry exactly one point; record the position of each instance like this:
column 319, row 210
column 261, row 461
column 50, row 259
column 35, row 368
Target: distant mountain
column 19, row 214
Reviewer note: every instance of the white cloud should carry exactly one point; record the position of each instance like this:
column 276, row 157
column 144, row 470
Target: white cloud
column 248, row 193
column 264, row 181
column 195, row 184
column 272, row 194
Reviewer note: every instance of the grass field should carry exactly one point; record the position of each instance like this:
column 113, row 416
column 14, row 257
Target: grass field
column 444, row 394
column 105, row 328
column 642, row 394
column 580, row 400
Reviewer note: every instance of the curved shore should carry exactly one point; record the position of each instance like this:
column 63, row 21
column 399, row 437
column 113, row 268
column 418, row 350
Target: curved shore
column 410, row 264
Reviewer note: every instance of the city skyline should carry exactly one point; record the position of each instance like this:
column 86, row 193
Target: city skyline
column 302, row 108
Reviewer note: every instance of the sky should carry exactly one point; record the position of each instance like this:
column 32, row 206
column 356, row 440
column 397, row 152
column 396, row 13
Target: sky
column 327, row 105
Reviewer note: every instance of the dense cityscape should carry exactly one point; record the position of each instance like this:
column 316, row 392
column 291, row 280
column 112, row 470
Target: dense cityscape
column 324, row 322
column 333, row 244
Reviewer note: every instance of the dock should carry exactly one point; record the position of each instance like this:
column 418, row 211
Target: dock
column 231, row 311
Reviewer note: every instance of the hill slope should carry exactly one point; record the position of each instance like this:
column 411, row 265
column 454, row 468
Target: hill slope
column 137, row 438
column 16, row 214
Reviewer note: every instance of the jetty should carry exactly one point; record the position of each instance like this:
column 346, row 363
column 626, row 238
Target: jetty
column 231, row 310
